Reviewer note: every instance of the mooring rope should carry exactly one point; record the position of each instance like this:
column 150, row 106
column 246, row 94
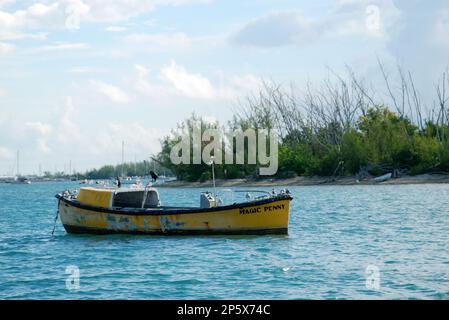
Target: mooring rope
column 56, row 218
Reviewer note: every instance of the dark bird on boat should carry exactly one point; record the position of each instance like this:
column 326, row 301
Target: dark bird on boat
column 153, row 175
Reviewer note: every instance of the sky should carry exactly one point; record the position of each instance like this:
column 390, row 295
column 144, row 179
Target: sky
column 78, row 77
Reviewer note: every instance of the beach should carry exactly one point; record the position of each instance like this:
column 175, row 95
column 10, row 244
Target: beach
column 309, row 181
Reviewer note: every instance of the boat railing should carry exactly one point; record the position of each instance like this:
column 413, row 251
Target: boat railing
column 249, row 194
column 254, row 191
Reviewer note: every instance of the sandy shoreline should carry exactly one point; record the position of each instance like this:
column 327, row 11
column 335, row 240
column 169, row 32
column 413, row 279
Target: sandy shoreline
column 309, row 181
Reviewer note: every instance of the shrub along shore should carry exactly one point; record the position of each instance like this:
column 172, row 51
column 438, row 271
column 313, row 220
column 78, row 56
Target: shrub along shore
column 340, row 130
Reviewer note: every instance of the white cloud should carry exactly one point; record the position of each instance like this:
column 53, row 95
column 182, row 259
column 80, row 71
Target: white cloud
column 42, row 145
column 5, row 3
column 75, row 11
column 142, row 72
column 277, row 29
column 106, row 139
column 70, row 14
column 348, row 18
column 39, row 9
column 160, row 41
column 137, row 137
column 120, row 10
column 150, row 22
column 146, row 87
column 245, row 84
column 187, row 84
column 43, row 131
column 90, row 145
column 441, row 29
column 113, row 93
column 3, row 93
column 6, row 48
column 174, row 80
column 60, row 46
column 116, row 29
column 82, row 70
column 39, row 127
column 142, row 84
column 378, row 18
column 12, row 35
column 421, row 43
column 68, row 130
column 172, row 41
column 5, row 153
column 34, row 16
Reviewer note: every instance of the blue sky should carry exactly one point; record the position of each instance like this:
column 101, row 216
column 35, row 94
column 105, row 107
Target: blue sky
column 79, row 76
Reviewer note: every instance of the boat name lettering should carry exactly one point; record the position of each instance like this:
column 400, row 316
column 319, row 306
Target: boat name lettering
column 260, row 209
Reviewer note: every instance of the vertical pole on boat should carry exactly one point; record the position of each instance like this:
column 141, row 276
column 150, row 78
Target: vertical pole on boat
column 213, row 174
column 144, row 197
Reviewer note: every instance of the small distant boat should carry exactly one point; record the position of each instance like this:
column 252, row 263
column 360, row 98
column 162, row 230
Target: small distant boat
column 384, row 177
column 129, row 180
column 85, row 181
column 139, row 211
column 18, row 180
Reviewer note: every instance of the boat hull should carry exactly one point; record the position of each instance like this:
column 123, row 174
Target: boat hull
column 268, row 216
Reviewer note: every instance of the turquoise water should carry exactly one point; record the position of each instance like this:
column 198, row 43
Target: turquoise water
column 335, row 234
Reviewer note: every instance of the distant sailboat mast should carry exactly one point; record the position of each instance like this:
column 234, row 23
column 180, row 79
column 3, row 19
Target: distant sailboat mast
column 123, row 157
column 18, row 163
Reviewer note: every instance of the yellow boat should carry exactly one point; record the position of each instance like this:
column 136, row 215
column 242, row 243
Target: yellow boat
column 138, row 211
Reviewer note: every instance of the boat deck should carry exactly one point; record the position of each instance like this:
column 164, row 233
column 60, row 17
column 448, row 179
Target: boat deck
column 163, row 210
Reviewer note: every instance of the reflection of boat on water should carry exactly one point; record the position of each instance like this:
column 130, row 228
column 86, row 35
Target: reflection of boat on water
column 139, row 211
